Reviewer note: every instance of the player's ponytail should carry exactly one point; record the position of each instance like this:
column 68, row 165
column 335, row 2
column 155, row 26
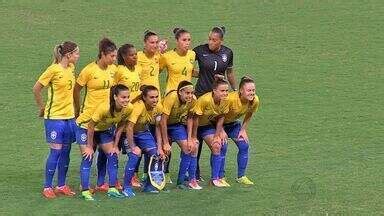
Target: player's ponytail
column 178, row 32
column 122, row 52
column 219, row 80
column 244, row 80
column 219, row 30
column 115, row 91
column 60, row 50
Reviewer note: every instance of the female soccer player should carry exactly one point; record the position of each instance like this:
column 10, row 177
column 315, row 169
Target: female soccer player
column 214, row 59
column 242, row 103
column 146, row 111
column 209, row 112
column 58, row 114
column 99, row 130
column 127, row 72
column 176, row 126
column 97, row 78
column 178, row 62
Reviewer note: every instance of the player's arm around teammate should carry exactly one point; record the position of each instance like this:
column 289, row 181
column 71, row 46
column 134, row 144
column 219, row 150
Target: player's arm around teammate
column 208, row 115
column 58, row 115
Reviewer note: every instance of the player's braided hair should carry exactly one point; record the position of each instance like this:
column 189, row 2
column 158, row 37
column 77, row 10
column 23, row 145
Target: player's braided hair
column 122, row 52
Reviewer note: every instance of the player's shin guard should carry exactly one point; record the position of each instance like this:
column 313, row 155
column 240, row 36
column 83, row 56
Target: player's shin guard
column 101, row 167
column 215, row 166
column 62, row 166
column 50, row 166
column 130, row 166
column 242, row 157
column 192, row 168
column 112, row 169
column 138, row 164
column 223, row 153
column 85, row 171
column 185, row 160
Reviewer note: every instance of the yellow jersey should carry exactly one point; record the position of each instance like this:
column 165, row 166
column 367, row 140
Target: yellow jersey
column 60, row 82
column 142, row 117
column 129, row 78
column 150, row 69
column 237, row 109
column 178, row 67
column 104, row 120
column 176, row 111
column 207, row 110
column 97, row 83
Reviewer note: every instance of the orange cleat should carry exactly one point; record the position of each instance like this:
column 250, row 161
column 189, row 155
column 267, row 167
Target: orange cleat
column 49, row 193
column 135, row 181
column 118, row 185
column 103, row 188
column 64, row 190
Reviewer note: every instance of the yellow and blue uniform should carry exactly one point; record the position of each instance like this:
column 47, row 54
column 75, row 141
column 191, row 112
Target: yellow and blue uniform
column 177, row 115
column 104, row 124
column 237, row 109
column 207, row 111
column 129, row 78
column 97, row 83
column 150, row 69
column 179, row 68
column 59, row 112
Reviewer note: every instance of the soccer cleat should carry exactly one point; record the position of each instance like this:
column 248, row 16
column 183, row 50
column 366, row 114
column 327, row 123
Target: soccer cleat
column 182, row 187
column 150, row 189
column 194, row 185
column 200, row 179
column 102, row 188
column 49, row 193
column 224, row 182
column 92, row 190
column 244, row 180
column 87, row 195
column 216, row 183
column 168, row 179
column 143, row 177
column 64, row 190
column 118, row 185
column 113, row 192
column 135, row 181
column 128, row 192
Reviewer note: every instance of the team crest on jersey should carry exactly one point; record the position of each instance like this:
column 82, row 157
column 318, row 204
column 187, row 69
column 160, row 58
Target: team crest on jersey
column 224, row 57
column 53, row 135
column 83, row 137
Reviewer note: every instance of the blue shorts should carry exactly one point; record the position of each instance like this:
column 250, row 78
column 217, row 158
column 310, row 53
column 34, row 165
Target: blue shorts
column 99, row 137
column 177, row 132
column 60, row 131
column 144, row 140
column 232, row 129
column 203, row 131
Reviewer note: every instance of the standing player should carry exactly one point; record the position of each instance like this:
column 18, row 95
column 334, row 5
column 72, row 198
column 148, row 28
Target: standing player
column 176, row 126
column 99, row 130
column 214, row 59
column 97, row 78
column 242, row 103
column 209, row 112
column 179, row 63
column 128, row 72
column 146, row 112
column 58, row 114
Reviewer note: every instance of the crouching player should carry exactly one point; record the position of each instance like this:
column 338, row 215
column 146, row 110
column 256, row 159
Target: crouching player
column 209, row 112
column 176, row 126
column 146, row 112
column 241, row 103
column 99, row 129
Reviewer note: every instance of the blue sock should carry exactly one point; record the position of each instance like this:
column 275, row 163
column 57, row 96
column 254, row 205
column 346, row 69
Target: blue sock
column 215, row 166
column 50, row 166
column 147, row 156
column 85, row 171
column 112, row 169
column 242, row 157
column 223, row 153
column 146, row 162
column 101, row 167
column 62, row 166
column 192, row 168
column 138, row 165
column 129, row 171
column 167, row 163
column 185, row 160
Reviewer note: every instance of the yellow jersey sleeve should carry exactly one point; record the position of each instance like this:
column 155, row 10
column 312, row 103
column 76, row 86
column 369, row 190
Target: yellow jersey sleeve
column 137, row 111
column 46, row 77
column 199, row 106
column 83, row 77
column 169, row 102
column 162, row 62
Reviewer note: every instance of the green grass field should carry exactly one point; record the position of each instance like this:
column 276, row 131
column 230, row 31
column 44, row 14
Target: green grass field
column 317, row 144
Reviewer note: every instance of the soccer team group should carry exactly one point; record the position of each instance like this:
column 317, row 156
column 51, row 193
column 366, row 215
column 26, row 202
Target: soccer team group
column 124, row 111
